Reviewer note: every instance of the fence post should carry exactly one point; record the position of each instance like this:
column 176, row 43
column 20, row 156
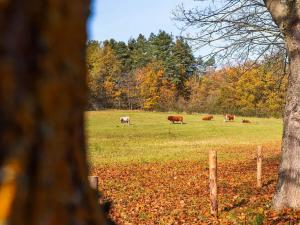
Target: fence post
column 259, row 166
column 213, row 182
column 93, row 182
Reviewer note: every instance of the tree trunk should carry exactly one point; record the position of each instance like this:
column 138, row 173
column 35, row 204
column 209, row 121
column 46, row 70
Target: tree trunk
column 286, row 14
column 43, row 169
column 288, row 187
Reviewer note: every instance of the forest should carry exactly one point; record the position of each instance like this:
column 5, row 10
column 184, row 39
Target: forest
column 162, row 73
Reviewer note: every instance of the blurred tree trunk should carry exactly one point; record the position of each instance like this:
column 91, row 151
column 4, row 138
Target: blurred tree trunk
column 286, row 14
column 43, row 169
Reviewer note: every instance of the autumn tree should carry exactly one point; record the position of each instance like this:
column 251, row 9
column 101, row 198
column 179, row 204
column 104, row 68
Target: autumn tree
column 187, row 84
column 228, row 95
column 149, row 80
column 210, row 91
column 110, row 72
column 43, row 160
column 259, row 92
column 242, row 90
column 155, row 90
column 112, row 66
column 167, row 93
column 104, row 75
column 252, row 90
column 194, row 87
column 243, row 28
column 96, row 93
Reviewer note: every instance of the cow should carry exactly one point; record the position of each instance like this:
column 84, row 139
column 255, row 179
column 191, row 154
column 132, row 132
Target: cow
column 125, row 119
column 229, row 117
column 174, row 119
column 209, row 117
column 246, row 121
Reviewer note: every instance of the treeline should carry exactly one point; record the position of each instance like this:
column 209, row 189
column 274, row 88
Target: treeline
column 243, row 90
column 161, row 73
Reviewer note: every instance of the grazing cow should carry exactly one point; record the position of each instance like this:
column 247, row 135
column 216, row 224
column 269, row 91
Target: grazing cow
column 174, row 119
column 229, row 117
column 209, row 117
column 125, row 119
column 246, row 121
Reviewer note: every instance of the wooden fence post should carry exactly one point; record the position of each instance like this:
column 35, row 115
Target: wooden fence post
column 93, row 182
column 259, row 166
column 213, row 182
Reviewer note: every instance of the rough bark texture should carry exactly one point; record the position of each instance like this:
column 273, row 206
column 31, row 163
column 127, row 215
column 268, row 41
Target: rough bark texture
column 43, row 170
column 287, row 16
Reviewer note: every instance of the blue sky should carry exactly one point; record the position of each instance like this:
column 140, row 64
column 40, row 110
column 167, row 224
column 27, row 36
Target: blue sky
column 123, row 19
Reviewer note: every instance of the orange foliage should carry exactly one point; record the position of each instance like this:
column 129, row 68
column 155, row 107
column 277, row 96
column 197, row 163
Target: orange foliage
column 154, row 89
column 177, row 192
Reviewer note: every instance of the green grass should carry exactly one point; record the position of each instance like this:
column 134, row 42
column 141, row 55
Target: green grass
column 151, row 138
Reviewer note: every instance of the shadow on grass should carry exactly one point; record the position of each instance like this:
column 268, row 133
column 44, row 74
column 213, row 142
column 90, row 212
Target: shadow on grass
column 125, row 125
column 178, row 123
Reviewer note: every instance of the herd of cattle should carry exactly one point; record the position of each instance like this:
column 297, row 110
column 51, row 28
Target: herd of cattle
column 179, row 119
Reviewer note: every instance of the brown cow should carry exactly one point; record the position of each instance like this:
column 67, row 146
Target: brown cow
column 174, row 119
column 209, row 117
column 229, row 117
column 246, row 121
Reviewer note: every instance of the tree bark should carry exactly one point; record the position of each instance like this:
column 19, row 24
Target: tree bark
column 288, row 187
column 43, row 169
column 286, row 15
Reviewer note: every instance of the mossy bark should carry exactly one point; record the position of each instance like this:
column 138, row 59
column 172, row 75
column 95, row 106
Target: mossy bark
column 43, row 169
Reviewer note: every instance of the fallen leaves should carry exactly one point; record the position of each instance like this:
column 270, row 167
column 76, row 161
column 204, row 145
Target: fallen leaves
column 177, row 193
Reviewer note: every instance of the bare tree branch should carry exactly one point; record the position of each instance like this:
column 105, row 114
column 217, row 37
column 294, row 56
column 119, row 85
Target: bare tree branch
column 234, row 29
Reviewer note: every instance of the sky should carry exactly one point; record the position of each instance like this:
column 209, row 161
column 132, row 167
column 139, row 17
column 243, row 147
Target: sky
column 125, row 19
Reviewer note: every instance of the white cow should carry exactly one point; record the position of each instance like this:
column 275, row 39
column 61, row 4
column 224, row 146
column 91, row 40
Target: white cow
column 125, row 119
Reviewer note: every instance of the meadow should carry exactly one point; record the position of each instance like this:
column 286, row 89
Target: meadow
column 152, row 138
column 155, row 172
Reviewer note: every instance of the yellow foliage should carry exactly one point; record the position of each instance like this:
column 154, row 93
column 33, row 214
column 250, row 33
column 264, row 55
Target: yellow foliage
column 154, row 88
column 243, row 90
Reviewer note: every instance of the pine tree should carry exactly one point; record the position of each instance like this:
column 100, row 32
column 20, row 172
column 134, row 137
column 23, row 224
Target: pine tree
column 160, row 49
column 183, row 65
column 139, row 52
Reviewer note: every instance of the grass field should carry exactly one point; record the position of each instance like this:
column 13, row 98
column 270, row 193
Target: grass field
column 155, row 172
column 151, row 137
